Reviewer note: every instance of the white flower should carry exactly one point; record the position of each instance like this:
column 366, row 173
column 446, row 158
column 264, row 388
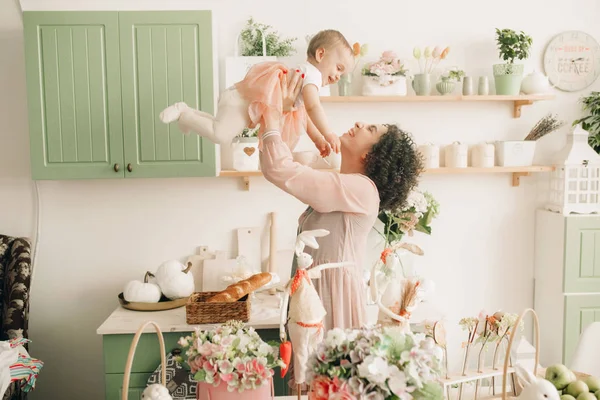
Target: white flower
column 397, row 383
column 375, row 369
column 336, row 337
column 264, row 349
column 183, row 342
column 417, row 200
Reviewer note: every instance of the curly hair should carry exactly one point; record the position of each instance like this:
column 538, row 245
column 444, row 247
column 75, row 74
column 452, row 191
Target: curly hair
column 394, row 165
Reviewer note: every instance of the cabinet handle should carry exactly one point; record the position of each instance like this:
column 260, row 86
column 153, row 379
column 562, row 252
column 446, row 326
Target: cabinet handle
column 116, row 167
column 129, row 167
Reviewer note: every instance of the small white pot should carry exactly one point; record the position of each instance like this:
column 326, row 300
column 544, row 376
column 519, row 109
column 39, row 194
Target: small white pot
column 431, row 155
column 456, row 155
column 384, row 86
column 245, row 154
column 516, row 153
column 482, row 155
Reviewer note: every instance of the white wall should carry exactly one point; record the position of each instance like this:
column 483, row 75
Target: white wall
column 96, row 235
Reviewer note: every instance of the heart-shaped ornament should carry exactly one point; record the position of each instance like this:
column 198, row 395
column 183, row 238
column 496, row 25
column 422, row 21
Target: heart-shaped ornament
column 249, row 150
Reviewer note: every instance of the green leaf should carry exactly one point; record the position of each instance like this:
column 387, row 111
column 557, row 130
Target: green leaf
column 200, row 376
column 429, row 391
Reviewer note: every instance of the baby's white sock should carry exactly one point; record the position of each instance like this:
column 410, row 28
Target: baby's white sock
column 172, row 113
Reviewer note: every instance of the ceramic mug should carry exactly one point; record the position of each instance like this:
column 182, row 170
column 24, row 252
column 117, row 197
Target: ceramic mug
column 422, row 84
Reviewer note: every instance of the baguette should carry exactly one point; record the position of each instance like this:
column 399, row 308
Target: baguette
column 238, row 290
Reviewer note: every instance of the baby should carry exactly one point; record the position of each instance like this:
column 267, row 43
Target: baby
column 243, row 105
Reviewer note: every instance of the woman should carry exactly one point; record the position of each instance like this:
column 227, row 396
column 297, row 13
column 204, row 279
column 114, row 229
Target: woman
column 380, row 166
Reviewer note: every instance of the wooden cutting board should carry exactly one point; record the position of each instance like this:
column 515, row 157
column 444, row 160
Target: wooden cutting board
column 249, row 247
column 197, row 270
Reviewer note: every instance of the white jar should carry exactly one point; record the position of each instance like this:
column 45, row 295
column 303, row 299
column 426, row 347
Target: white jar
column 482, row 155
column 245, row 154
column 456, row 155
column 431, row 155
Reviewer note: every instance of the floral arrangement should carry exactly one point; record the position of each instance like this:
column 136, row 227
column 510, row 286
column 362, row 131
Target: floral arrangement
column 431, row 57
column 375, row 363
column 485, row 330
column 415, row 215
column 232, row 354
column 454, row 75
column 387, row 69
column 252, row 43
column 249, row 132
column 359, row 51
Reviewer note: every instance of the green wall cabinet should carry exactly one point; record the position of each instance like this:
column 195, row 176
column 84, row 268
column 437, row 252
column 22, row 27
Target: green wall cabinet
column 96, row 83
column 567, row 281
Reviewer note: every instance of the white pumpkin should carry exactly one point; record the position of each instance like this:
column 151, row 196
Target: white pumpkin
column 142, row 292
column 175, row 280
column 156, row 392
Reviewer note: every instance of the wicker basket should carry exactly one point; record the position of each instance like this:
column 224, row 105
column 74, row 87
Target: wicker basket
column 198, row 311
column 128, row 365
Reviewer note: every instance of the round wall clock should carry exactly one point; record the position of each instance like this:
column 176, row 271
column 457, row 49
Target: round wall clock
column 572, row 60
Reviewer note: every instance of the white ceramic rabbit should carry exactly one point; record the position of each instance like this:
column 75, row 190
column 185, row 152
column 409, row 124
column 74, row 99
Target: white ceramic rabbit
column 387, row 283
column 535, row 388
column 306, row 311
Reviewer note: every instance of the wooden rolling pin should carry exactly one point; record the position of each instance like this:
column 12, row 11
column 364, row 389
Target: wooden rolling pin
column 273, row 248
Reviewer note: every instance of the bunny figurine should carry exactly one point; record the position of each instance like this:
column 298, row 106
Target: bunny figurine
column 306, row 311
column 535, row 388
column 395, row 295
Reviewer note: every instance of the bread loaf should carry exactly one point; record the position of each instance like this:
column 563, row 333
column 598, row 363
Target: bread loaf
column 238, row 290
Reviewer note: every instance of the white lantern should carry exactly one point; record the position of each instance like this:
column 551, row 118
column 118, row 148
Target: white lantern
column 575, row 182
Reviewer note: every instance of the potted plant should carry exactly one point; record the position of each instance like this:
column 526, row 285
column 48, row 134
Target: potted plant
column 385, row 77
column 228, row 360
column 591, row 122
column 375, row 363
column 245, row 150
column 511, row 46
column 448, row 81
column 251, row 38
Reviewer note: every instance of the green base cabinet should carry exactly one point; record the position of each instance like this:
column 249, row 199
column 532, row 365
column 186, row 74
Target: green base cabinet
column 147, row 359
column 97, row 82
column 567, row 281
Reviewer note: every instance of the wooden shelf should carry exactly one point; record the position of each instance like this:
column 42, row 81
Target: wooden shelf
column 518, row 101
column 517, row 172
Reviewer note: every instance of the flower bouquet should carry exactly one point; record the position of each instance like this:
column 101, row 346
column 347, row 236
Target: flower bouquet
column 379, row 363
column 230, row 359
column 415, row 215
column 385, row 77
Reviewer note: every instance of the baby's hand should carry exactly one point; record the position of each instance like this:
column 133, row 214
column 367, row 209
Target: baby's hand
column 323, row 147
column 334, row 142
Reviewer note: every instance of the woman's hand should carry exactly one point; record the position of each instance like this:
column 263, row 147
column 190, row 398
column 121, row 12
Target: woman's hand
column 290, row 89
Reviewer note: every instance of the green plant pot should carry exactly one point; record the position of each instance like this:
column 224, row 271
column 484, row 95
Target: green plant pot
column 507, row 78
column 445, row 88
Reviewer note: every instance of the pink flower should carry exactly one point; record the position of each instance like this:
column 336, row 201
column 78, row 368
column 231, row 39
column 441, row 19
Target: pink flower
column 258, row 367
column 389, row 56
column 226, row 377
column 206, row 349
column 320, row 388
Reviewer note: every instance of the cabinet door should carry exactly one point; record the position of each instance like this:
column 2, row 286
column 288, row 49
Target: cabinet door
column 580, row 311
column 582, row 255
column 166, row 57
column 74, row 96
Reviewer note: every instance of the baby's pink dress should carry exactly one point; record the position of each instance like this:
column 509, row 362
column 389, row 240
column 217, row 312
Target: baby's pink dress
column 262, row 89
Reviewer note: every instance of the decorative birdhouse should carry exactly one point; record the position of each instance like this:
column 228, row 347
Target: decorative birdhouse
column 575, row 182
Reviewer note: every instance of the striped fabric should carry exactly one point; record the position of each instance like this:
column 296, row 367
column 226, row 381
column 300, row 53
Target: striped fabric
column 26, row 369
